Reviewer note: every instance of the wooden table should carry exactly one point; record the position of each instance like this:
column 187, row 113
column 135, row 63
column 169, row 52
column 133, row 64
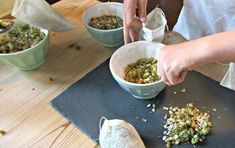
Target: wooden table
column 25, row 112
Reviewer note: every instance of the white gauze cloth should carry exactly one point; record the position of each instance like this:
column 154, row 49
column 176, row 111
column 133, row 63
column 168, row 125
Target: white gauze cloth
column 205, row 17
column 119, row 134
column 40, row 14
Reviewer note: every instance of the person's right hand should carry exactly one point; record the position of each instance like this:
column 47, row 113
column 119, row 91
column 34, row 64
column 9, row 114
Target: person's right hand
column 132, row 25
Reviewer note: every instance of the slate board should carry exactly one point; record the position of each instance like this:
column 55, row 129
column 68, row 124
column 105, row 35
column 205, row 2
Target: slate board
column 98, row 94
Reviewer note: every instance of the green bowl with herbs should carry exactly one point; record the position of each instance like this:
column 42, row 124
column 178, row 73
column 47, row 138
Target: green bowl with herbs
column 24, row 47
column 134, row 67
column 105, row 23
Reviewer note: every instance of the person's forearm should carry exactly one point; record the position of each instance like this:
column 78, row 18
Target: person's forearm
column 217, row 47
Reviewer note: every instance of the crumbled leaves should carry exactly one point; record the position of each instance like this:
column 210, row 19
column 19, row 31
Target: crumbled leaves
column 148, row 105
column 144, row 120
column 77, row 47
column 152, row 106
column 142, row 71
column 106, row 22
column 183, row 90
column 2, row 132
column 133, row 107
column 51, row 79
column 20, row 38
column 186, row 124
column 72, row 45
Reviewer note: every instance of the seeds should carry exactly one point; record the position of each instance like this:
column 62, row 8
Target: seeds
column 149, row 105
column 186, row 124
column 106, row 22
column 144, row 120
column 183, row 90
column 142, row 71
column 2, row 132
column 20, row 38
column 6, row 23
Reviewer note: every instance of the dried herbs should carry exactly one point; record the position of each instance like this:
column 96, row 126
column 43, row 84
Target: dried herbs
column 20, row 38
column 142, row 71
column 106, row 22
column 186, row 124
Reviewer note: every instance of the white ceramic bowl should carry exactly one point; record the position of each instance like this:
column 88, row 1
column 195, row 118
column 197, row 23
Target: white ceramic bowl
column 108, row 38
column 131, row 53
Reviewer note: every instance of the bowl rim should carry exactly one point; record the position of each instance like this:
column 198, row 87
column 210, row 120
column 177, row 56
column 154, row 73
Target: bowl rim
column 26, row 50
column 130, row 83
column 106, row 3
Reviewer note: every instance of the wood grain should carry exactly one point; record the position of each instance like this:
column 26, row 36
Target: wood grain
column 25, row 113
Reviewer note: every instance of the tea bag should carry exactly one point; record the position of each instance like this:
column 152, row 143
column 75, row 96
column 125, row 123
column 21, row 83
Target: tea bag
column 40, row 14
column 119, row 134
column 154, row 28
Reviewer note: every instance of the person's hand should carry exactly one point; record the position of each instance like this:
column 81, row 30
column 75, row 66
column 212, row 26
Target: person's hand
column 175, row 60
column 132, row 25
column 174, row 63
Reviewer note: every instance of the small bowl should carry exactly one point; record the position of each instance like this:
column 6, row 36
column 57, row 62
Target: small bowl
column 30, row 58
column 108, row 38
column 131, row 53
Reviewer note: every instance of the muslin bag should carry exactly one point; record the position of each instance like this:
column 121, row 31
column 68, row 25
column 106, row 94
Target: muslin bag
column 40, row 14
column 154, row 28
column 119, row 134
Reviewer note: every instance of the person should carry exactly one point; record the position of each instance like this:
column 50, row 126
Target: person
column 208, row 25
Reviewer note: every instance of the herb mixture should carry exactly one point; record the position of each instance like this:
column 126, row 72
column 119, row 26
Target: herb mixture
column 142, row 71
column 6, row 23
column 20, row 38
column 186, row 124
column 106, row 22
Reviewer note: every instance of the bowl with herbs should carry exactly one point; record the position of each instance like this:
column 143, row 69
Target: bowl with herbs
column 24, row 46
column 134, row 67
column 104, row 22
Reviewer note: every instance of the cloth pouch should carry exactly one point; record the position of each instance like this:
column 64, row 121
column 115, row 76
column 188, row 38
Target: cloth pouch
column 40, row 14
column 119, row 134
column 154, row 28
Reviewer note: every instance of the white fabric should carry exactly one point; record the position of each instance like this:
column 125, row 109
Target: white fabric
column 119, row 134
column 205, row 17
column 40, row 14
column 154, row 28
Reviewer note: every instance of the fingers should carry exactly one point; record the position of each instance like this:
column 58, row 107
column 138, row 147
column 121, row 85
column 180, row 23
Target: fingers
column 126, row 31
column 132, row 25
column 129, row 15
column 171, row 77
column 142, row 8
column 135, row 30
column 129, row 8
column 161, row 74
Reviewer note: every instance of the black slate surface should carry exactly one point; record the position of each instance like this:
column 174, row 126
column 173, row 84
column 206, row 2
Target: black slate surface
column 98, row 94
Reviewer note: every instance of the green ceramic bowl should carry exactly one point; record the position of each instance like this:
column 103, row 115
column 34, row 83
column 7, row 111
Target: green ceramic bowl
column 30, row 58
column 107, row 38
column 130, row 53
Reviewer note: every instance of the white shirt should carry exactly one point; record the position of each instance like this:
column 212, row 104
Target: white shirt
column 205, row 17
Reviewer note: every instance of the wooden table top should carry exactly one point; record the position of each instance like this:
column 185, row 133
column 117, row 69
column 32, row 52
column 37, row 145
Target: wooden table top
column 26, row 114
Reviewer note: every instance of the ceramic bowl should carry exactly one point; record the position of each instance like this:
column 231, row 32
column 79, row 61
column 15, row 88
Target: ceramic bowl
column 131, row 53
column 30, row 58
column 108, row 38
